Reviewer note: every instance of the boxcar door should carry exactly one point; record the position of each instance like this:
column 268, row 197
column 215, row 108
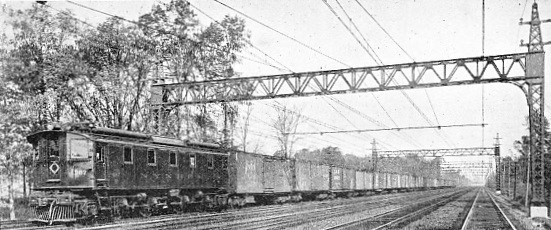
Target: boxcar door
column 269, row 175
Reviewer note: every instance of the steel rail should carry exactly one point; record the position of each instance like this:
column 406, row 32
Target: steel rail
column 447, row 198
column 500, row 213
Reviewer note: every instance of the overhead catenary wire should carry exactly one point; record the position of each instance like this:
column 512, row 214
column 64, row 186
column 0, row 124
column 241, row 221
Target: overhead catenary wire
column 377, row 60
column 443, row 135
column 248, row 42
column 285, row 35
column 387, row 129
column 272, row 59
column 269, row 27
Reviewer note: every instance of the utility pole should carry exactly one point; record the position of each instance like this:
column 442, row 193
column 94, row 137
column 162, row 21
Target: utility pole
column 515, row 164
column 375, row 160
column 498, row 168
column 509, row 177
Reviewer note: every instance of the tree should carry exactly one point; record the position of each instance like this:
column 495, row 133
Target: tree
column 285, row 125
column 194, row 56
column 244, row 125
column 14, row 125
column 103, row 74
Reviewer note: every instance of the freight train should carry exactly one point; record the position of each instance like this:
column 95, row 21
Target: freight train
column 82, row 172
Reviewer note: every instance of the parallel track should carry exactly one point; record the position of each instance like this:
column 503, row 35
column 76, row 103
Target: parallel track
column 485, row 213
column 401, row 215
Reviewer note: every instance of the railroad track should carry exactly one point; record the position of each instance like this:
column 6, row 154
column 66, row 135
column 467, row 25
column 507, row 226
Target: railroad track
column 10, row 224
column 274, row 217
column 400, row 215
column 485, row 213
column 27, row 225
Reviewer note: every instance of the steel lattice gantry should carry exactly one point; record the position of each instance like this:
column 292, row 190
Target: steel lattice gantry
column 525, row 70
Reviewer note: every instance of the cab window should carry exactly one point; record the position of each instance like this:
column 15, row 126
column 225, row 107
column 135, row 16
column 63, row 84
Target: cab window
column 79, row 148
column 210, row 161
column 52, row 148
column 100, row 153
column 172, row 160
column 192, row 160
column 151, row 157
column 128, row 155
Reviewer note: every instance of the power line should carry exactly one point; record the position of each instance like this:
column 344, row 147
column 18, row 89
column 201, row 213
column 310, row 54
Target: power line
column 285, row 35
column 263, row 24
column 252, row 45
column 409, row 99
column 389, row 129
column 267, row 56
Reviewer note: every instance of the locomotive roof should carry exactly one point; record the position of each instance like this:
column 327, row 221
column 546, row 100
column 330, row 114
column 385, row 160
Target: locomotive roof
column 89, row 128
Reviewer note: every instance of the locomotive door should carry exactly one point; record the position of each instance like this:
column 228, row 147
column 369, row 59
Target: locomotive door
column 51, row 152
column 100, row 162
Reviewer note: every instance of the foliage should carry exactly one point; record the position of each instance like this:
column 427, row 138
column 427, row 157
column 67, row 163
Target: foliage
column 103, row 74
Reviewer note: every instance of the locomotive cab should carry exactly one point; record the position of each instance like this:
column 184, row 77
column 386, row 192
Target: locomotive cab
column 63, row 160
column 63, row 165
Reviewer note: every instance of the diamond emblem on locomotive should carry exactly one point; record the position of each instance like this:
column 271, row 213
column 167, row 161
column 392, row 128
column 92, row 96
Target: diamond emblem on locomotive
column 54, row 167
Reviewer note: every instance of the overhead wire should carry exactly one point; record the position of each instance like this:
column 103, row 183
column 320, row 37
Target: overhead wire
column 285, row 35
column 273, row 29
column 443, row 135
column 268, row 56
column 377, row 60
column 269, row 27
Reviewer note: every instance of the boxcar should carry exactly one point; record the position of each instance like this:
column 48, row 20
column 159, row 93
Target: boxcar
column 259, row 177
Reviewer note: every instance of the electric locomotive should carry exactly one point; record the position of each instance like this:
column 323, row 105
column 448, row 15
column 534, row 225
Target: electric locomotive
column 83, row 172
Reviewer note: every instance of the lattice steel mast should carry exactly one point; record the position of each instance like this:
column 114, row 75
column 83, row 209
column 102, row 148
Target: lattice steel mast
column 534, row 88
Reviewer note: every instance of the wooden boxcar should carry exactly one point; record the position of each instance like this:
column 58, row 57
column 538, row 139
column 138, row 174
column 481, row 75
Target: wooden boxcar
column 311, row 177
column 255, row 177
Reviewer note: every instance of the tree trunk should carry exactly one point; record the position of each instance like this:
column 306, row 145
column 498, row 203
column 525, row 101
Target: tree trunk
column 11, row 198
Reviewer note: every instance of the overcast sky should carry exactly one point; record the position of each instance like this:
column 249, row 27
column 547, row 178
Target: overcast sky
column 426, row 29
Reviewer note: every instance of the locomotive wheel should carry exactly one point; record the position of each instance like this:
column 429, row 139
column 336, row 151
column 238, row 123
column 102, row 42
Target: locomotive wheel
column 145, row 211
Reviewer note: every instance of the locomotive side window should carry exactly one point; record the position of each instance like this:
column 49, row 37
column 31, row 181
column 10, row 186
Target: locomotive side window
column 210, row 161
column 151, row 157
column 172, row 158
column 100, row 153
column 192, row 160
column 79, row 148
column 53, row 148
column 128, row 155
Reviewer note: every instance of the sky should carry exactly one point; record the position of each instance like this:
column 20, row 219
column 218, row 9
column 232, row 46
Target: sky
column 426, row 29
